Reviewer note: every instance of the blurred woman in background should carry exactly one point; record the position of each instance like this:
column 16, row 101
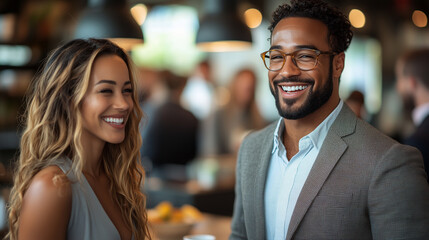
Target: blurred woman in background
column 79, row 174
column 238, row 116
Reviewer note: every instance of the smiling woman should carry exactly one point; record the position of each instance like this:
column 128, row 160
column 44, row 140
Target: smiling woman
column 79, row 174
column 107, row 103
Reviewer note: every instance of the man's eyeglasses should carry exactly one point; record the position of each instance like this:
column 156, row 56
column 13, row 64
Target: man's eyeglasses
column 304, row 59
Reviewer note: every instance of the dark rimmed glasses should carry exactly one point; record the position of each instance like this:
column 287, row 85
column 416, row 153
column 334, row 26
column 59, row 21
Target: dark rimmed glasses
column 304, row 59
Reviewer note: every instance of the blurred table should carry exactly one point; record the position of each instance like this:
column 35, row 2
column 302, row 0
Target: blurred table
column 216, row 198
column 216, row 225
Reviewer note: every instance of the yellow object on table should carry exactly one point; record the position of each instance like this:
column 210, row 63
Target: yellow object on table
column 168, row 222
column 165, row 212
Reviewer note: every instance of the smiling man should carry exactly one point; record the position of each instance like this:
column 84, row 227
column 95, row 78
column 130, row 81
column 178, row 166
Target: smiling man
column 320, row 172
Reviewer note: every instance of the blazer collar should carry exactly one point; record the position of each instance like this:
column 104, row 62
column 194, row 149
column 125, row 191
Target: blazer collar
column 331, row 151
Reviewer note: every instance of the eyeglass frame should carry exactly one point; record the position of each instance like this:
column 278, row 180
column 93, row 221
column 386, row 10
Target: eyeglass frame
column 292, row 54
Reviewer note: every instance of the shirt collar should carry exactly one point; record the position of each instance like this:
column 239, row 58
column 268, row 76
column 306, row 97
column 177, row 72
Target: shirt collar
column 277, row 132
column 420, row 113
column 317, row 136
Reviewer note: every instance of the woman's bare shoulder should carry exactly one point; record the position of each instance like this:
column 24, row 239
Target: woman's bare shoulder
column 46, row 205
column 52, row 181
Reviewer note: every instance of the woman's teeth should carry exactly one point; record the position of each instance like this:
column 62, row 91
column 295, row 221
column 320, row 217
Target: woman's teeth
column 293, row 88
column 114, row 120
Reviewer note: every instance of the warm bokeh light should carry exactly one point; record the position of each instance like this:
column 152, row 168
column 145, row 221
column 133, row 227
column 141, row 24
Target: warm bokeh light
column 139, row 12
column 357, row 18
column 420, row 19
column 224, row 46
column 126, row 43
column 253, row 17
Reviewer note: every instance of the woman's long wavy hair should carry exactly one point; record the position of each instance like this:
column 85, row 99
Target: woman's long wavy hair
column 53, row 129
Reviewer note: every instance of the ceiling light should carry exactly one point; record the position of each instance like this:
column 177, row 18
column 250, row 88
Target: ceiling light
column 109, row 19
column 357, row 18
column 419, row 19
column 253, row 17
column 221, row 29
column 139, row 12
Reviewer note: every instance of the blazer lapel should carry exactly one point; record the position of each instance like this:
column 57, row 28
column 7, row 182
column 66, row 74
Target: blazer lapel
column 261, row 164
column 331, row 151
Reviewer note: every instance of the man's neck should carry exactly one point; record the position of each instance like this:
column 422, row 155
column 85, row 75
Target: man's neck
column 294, row 131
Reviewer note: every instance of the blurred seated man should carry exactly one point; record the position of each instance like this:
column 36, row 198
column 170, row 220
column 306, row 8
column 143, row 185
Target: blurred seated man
column 412, row 73
column 152, row 94
column 171, row 137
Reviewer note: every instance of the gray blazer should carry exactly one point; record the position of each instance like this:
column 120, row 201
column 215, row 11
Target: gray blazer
column 363, row 185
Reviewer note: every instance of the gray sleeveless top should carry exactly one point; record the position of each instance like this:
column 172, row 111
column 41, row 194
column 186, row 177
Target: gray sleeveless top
column 88, row 220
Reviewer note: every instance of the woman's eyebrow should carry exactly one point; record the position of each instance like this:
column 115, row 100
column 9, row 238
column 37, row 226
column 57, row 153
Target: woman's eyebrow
column 106, row 81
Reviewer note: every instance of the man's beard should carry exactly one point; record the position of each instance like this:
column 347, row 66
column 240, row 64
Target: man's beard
column 314, row 99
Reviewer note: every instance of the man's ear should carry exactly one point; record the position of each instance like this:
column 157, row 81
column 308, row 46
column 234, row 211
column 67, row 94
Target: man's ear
column 338, row 65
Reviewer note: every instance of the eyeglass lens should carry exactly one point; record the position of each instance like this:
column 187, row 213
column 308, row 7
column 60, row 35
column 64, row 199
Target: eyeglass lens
column 304, row 59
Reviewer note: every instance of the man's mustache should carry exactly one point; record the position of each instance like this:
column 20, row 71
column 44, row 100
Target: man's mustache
column 293, row 80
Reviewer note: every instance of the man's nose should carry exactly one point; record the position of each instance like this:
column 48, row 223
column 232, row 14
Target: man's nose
column 289, row 68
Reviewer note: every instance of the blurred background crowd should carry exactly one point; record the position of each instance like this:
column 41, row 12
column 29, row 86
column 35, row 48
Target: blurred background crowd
column 200, row 100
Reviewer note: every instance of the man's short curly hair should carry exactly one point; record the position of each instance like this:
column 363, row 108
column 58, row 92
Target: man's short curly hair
column 339, row 32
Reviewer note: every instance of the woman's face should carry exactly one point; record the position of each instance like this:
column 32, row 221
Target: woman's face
column 244, row 88
column 108, row 101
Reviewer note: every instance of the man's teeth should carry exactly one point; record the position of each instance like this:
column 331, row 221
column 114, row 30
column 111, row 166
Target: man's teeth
column 114, row 120
column 293, row 88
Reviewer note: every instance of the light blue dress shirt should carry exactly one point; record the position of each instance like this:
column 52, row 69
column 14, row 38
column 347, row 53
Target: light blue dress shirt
column 286, row 178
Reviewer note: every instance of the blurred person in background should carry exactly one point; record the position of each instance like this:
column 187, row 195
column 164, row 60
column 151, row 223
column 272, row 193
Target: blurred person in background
column 356, row 102
column 198, row 94
column 199, row 98
column 171, row 137
column 152, row 94
column 320, row 172
column 79, row 175
column 232, row 121
column 412, row 84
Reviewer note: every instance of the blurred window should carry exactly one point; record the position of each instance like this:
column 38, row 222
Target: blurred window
column 362, row 72
column 169, row 43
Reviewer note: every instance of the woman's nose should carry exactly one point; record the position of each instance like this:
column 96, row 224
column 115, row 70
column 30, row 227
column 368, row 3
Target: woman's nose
column 123, row 102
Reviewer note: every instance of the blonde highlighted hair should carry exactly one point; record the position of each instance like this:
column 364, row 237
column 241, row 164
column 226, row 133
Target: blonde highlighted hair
column 53, row 129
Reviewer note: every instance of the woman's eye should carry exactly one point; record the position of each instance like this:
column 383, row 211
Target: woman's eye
column 106, row 91
column 128, row 90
